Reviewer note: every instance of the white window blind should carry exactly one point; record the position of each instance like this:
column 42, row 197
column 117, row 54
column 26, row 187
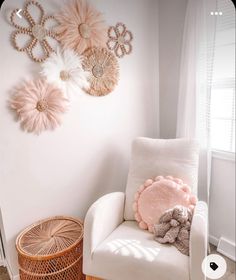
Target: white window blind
column 222, row 120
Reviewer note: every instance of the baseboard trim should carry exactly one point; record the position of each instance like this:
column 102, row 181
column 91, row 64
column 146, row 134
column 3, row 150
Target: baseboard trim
column 224, row 246
column 16, row 277
column 12, row 277
column 227, row 248
column 213, row 240
column 9, row 270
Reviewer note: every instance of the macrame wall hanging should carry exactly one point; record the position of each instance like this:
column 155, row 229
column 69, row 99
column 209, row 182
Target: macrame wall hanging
column 36, row 31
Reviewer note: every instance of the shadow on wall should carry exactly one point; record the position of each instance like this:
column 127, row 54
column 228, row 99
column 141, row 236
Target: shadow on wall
column 112, row 167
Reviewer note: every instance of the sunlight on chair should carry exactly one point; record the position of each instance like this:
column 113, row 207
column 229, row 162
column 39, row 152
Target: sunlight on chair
column 132, row 247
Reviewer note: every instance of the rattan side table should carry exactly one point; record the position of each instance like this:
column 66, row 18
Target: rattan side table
column 51, row 249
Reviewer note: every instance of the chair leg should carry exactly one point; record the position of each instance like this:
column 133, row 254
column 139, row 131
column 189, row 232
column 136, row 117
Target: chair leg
column 92, row 278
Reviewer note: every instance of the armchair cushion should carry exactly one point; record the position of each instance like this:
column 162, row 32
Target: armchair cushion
column 153, row 157
column 130, row 253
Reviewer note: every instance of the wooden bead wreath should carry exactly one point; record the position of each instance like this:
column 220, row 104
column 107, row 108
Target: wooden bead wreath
column 119, row 40
column 103, row 68
column 36, row 31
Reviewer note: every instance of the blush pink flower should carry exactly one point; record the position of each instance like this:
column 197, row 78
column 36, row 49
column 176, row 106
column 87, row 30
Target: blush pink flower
column 38, row 105
column 81, row 26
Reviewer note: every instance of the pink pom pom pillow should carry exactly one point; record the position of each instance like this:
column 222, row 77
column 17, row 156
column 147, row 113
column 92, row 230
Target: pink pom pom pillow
column 154, row 197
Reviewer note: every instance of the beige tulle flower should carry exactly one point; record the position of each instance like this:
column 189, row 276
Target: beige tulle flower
column 81, row 26
column 39, row 105
column 104, row 71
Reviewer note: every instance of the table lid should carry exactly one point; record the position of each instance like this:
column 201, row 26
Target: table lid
column 50, row 237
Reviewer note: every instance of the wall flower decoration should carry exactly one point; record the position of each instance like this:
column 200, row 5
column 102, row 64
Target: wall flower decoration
column 119, row 40
column 36, row 34
column 39, row 105
column 64, row 68
column 104, row 71
column 81, row 26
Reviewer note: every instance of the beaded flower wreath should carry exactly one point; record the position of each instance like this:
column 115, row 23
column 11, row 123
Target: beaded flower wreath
column 103, row 70
column 119, row 40
column 37, row 32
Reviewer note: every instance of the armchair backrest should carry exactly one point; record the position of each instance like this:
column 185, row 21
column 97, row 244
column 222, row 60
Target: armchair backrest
column 153, row 157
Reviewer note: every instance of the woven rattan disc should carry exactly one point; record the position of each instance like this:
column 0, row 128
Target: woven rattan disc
column 103, row 68
column 50, row 237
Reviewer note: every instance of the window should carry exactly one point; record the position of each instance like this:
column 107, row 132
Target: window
column 222, row 120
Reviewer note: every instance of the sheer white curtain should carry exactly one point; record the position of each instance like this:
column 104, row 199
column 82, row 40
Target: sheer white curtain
column 195, row 83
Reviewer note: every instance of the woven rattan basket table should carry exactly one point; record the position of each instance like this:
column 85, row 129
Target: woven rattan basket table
column 51, row 249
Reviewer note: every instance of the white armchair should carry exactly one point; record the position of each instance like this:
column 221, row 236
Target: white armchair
column 115, row 248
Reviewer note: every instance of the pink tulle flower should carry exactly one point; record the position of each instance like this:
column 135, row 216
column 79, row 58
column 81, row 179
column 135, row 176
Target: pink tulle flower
column 39, row 105
column 81, row 26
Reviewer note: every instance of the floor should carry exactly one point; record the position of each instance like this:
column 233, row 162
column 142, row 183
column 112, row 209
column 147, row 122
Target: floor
column 3, row 274
column 230, row 274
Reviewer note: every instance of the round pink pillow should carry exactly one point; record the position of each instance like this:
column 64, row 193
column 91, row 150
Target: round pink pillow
column 154, row 197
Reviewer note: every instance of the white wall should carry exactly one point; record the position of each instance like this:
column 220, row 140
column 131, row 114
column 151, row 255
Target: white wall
column 171, row 24
column 222, row 200
column 222, row 193
column 63, row 172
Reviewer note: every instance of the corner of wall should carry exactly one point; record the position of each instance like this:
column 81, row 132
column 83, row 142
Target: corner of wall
column 2, row 241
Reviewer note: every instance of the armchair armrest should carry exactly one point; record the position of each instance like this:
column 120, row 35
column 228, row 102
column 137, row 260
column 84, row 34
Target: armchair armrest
column 198, row 240
column 101, row 219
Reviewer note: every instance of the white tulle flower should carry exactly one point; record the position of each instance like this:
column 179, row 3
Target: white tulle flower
column 64, row 68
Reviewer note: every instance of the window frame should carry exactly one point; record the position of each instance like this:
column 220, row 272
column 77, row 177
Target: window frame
column 229, row 156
